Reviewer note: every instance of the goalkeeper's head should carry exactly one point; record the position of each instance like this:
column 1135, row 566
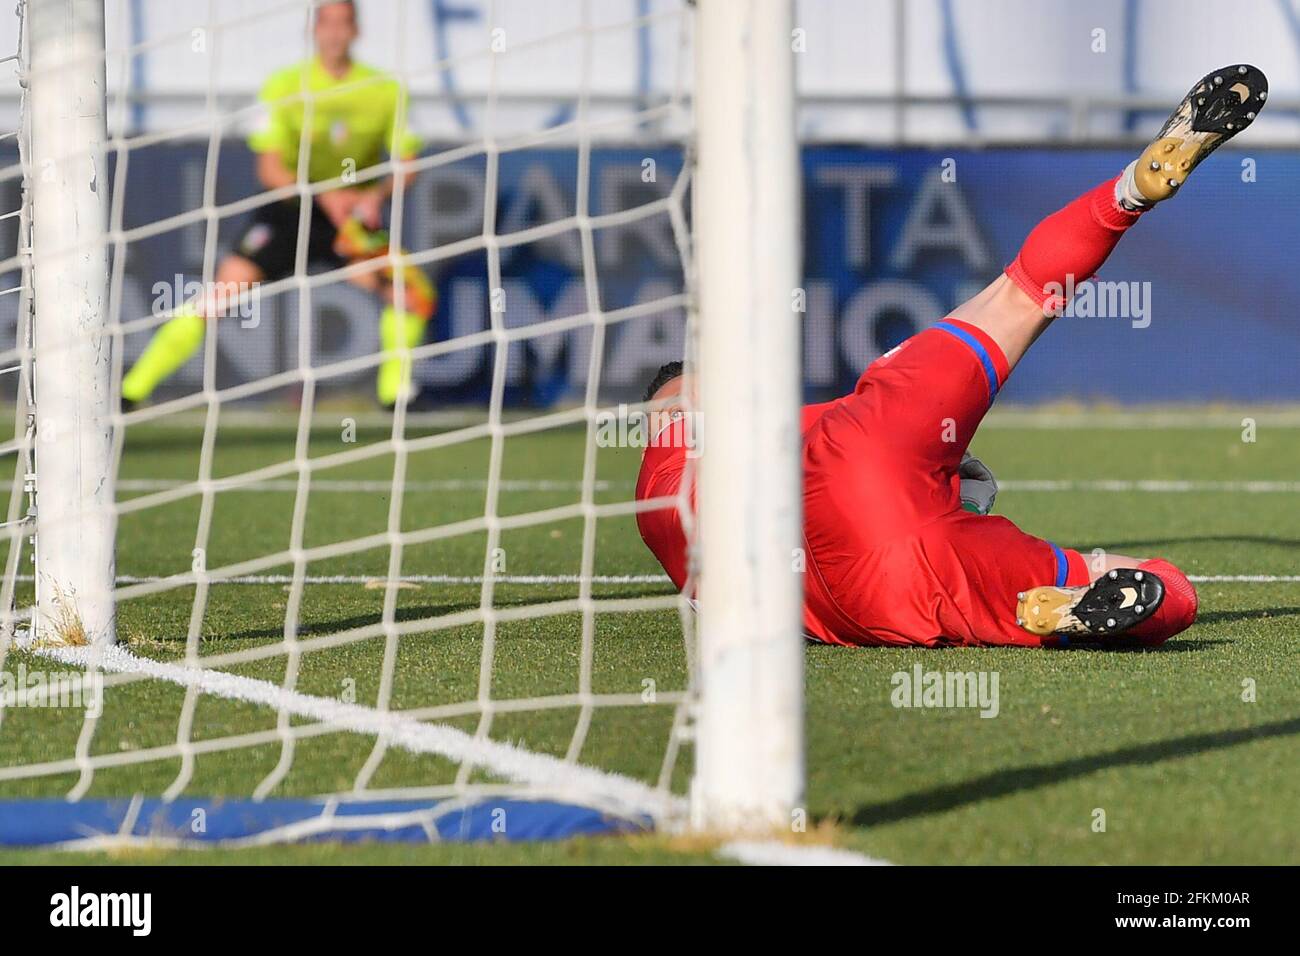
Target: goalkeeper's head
column 667, row 380
column 335, row 29
column 670, row 395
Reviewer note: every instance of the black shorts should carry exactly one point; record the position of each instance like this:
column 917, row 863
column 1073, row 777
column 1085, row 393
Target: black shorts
column 271, row 239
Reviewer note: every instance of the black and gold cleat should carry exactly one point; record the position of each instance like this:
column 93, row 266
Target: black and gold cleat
column 1216, row 109
column 1106, row 608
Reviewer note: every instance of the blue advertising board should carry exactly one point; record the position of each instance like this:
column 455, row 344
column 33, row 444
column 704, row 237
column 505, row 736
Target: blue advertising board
column 893, row 240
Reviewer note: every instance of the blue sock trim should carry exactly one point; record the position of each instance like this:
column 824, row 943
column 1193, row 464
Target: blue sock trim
column 1062, row 566
column 981, row 353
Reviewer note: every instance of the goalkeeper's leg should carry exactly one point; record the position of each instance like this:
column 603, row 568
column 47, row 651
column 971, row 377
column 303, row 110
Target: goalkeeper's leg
column 928, row 396
column 1011, row 588
column 1118, row 598
column 1069, row 246
column 1131, row 601
column 916, row 409
column 942, row 381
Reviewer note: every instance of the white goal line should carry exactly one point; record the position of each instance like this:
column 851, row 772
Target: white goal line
column 540, row 771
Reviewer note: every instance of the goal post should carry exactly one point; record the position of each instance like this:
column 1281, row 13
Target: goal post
column 68, row 179
column 749, row 737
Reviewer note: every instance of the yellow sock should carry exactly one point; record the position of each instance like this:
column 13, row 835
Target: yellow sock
column 398, row 331
column 171, row 347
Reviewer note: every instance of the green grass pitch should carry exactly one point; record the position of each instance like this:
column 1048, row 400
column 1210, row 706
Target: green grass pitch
column 1185, row 770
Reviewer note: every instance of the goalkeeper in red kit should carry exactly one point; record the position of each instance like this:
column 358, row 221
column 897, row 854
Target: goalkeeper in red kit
column 899, row 544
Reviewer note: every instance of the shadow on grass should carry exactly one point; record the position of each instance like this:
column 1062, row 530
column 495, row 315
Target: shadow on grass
column 1014, row 780
column 1247, row 614
column 434, row 611
column 1175, row 646
column 429, row 612
column 1172, row 646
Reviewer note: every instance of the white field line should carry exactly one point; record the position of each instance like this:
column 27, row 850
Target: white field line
column 271, row 418
column 539, row 771
column 775, row 853
column 382, row 486
column 379, row 485
column 1009, row 416
column 1152, row 486
column 1139, row 419
column 376, row 581
column 1243, row 578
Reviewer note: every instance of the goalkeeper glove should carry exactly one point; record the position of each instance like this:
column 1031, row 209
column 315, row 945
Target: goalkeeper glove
column 978, row 486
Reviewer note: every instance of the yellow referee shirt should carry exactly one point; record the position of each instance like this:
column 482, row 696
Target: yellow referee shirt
column 356, row 119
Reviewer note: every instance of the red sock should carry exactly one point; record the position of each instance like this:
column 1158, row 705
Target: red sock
column 1176, row 612
column 1073, row 241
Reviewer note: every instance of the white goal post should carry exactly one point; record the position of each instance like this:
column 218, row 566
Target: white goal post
column 741, row 705
column 69, row 183
column 750, row 737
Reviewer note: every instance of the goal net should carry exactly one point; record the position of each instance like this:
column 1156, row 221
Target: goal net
column 322, row 518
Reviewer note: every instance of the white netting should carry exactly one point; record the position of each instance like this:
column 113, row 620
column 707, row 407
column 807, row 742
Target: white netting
column 316, row 597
